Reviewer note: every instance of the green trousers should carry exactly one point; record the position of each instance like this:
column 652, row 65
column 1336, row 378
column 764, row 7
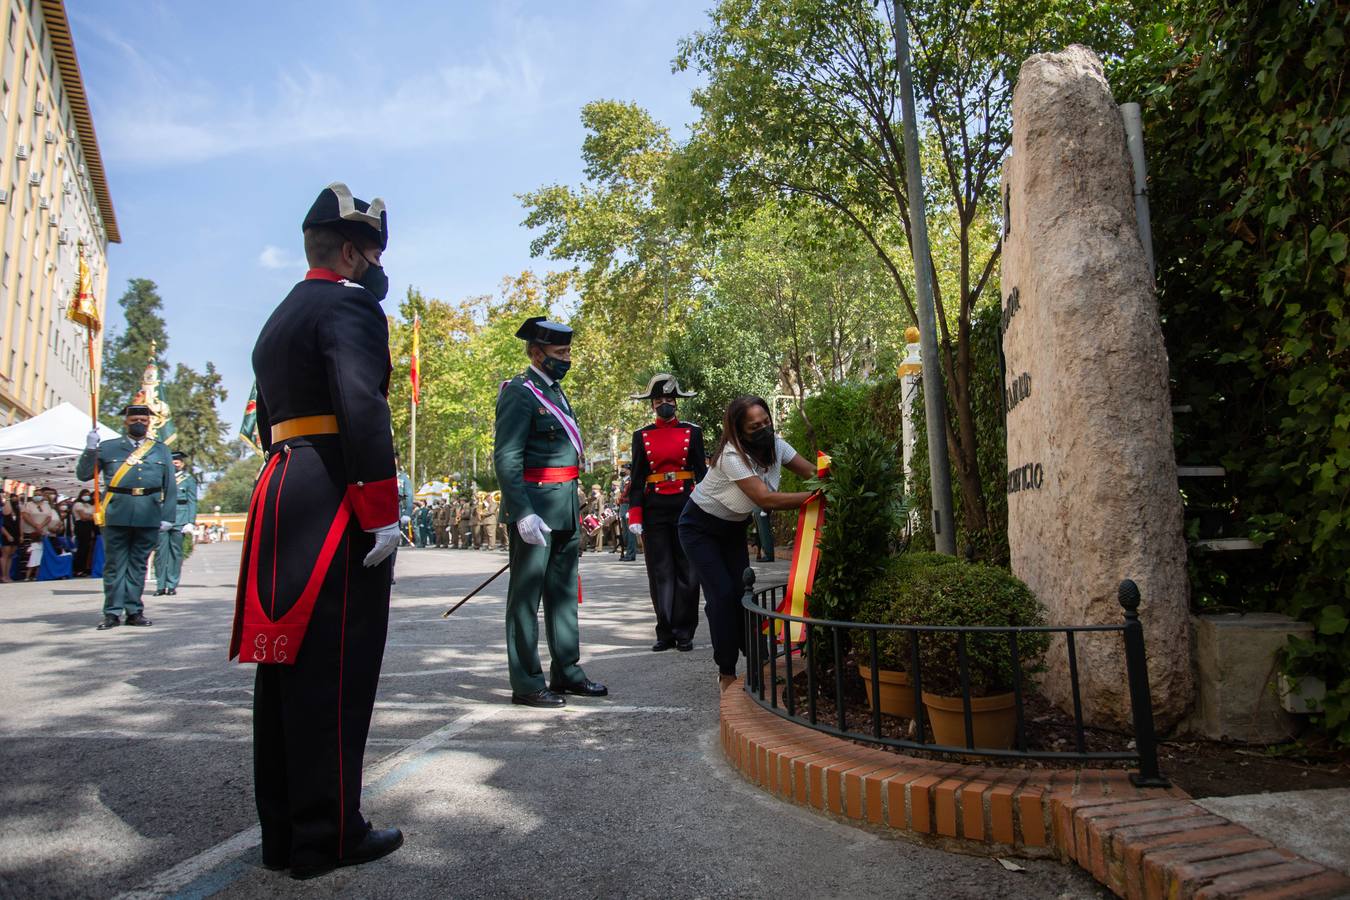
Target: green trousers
column 126, row 551
column 547, row 574
column 169, row 559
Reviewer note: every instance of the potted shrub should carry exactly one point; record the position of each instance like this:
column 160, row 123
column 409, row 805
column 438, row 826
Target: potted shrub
column 893, row 647
column 933, row 590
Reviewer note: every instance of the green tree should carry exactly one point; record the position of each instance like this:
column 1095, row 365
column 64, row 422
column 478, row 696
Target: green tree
column 801, row 101
column 234, row 488
column 194, row 399
column 126, row 353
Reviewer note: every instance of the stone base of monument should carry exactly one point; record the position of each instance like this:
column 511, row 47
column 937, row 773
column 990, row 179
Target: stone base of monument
column 1238, row 677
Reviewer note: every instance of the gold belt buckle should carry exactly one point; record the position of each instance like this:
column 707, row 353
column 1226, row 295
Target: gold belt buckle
column 669, row 476
column 137, row 492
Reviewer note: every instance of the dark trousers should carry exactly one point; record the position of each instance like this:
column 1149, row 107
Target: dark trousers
column 311, row 719
column 126, row 554
column 85, row 533
column 716, row 550
column 546, row 575
column 671, row 581
column 628, row 540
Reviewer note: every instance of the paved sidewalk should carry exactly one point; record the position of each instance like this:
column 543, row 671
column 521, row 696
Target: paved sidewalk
column 127, row 761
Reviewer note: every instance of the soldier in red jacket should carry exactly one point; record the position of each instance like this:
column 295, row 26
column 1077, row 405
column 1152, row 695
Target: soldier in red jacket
column 668, row 459
column 312, row 607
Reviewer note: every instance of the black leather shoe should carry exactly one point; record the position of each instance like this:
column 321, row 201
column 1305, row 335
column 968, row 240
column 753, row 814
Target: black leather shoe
column 160, row 593
column 684, row 646
column 662, row 645
column 542, row 698
column 109, row 621
column 172, row 592
column 138, row 619
column 585, row 688
column 377, row 843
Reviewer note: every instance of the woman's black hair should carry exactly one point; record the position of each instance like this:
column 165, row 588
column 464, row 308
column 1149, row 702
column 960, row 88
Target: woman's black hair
column 732, row 420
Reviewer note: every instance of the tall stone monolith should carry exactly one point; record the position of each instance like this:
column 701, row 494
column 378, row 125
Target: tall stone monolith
column 1092, row 476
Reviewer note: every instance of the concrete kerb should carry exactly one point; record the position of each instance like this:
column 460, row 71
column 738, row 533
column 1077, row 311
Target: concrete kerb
column 1140, row 843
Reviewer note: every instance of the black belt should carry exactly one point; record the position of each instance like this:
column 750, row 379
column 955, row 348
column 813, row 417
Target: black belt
column 135, row 492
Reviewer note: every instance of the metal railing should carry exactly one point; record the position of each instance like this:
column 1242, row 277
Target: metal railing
column 767, row 656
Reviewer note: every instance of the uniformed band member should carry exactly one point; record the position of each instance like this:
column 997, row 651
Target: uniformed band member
column 169, row 553
column 537, row 455
column 668, row 459
column 313, row 602
column 139, row 500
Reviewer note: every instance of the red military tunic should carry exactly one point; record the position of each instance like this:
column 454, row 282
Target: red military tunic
column 668, row 458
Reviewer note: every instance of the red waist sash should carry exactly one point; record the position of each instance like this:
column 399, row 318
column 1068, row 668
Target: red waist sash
column 552, row 475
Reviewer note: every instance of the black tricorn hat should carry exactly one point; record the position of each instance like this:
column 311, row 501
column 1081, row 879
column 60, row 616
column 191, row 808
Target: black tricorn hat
column 136, row 409
column 359, row 220
column 663, row 385
column 539, row 330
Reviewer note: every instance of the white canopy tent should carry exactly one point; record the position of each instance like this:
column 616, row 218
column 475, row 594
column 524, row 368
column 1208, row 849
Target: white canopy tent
column 42, row 451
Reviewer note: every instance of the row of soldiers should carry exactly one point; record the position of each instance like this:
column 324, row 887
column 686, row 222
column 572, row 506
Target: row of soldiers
column 458, row 523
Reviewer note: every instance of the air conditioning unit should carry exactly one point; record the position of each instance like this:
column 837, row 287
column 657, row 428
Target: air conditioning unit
column 49, row 136
column 67, row 188
column 4, row 196
column 21, row 151
column 64, row 237
column 35, row 178
column 39, row 107
column 51, row 220
column 44, row 203
column 79, row 170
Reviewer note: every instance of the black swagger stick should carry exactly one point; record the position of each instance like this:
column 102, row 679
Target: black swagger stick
column 492, row 578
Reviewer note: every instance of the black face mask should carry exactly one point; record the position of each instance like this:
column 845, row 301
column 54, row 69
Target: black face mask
column 137, row 429
column 374, row 280
column 554, row 368
column 761, row 442
column 665, row 411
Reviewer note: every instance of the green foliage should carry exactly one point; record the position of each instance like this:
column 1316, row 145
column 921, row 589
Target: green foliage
column 864, row 510
column 931, row 589
column 1248, row 129
column 989, row 542
column 194, row 399
column 719, row 361
column 233, row 489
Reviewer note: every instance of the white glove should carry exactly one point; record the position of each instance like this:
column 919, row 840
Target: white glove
column 636, row 528
column 386, row 540
column 92, row 440
column 533, row 530
column 165, row 526
column 406, row 519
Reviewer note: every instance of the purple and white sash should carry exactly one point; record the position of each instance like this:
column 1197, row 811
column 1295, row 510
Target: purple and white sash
column 569, row 424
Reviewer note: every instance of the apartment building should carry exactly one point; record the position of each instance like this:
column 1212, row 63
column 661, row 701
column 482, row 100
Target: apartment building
column 53, row 200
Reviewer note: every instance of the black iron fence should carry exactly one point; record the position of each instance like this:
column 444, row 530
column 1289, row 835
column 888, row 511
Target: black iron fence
column 775, row 669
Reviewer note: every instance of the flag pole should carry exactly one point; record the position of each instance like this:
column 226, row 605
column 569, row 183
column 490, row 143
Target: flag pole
column 93, row 407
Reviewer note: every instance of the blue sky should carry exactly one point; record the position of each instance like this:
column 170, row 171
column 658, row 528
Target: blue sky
column 220, row 122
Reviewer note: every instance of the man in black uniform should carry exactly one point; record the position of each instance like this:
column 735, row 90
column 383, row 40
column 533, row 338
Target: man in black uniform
column 668, row 459
column 312, row 607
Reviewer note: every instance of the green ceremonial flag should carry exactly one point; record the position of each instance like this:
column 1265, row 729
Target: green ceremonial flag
column 248, row 426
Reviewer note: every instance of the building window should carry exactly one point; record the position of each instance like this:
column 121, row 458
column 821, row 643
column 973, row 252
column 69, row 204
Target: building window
column 4, row 274
column 13, row 27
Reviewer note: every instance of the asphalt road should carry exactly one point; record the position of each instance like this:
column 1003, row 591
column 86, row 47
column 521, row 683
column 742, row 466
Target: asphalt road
column 127, row 761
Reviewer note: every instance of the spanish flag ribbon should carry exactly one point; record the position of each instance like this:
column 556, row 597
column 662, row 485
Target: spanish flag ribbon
column 415, row 365
column 805, row 556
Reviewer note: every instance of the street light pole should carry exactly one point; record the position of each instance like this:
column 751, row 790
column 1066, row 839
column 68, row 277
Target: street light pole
column 934, row 399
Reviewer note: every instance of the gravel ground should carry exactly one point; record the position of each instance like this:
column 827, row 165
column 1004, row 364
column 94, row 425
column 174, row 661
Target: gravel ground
column 128, row 761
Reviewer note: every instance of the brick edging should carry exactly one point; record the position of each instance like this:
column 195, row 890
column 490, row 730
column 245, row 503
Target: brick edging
column 1141, row 843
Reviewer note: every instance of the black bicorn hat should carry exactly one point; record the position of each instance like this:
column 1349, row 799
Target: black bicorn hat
column 136, row 409
column 337, row 208
column 539, row 330
column 662, row 386
column 179, row 454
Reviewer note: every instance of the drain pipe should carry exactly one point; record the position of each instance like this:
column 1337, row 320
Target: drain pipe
column 1134, row 142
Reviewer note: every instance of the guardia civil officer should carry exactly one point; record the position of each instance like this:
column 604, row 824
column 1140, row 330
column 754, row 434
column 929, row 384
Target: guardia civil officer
column 537, row 455
column 141, row 497
column 169, row 553
column 312, row 608
column 668, row 459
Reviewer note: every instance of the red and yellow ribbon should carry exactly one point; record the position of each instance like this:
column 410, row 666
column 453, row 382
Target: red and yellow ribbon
column 805, row 556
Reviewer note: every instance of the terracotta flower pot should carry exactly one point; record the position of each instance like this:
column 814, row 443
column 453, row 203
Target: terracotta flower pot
column 994, row 720
column 897, row 692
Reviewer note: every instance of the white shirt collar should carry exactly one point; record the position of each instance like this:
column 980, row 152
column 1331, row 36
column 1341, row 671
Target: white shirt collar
column 540, row 372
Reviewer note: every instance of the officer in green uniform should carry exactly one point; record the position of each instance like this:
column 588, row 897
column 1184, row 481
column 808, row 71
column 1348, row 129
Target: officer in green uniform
column 405, row 500
column 140, row 501
column 169, row 553
column 537, row 452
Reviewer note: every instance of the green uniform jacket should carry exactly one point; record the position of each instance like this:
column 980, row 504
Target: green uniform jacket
column 155, row 470
column 187, row 499
column 405, row 495
column 529, row 437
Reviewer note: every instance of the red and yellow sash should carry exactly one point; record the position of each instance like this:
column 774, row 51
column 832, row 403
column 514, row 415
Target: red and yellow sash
column 805, row 556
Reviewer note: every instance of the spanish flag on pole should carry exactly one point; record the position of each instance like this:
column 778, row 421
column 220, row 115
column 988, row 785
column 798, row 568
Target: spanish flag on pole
column 414, row 375
column 805, row 556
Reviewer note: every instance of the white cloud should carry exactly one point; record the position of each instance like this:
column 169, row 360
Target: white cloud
column 273, row 257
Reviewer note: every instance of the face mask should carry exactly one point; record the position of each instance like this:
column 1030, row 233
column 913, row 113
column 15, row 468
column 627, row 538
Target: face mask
column 374, row 280
column 555, row 368
column 84, row 498
column 665, row 411
column 761, row 441
column 137, row 429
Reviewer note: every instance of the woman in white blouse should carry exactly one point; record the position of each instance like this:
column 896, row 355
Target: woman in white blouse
column 743, row 476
